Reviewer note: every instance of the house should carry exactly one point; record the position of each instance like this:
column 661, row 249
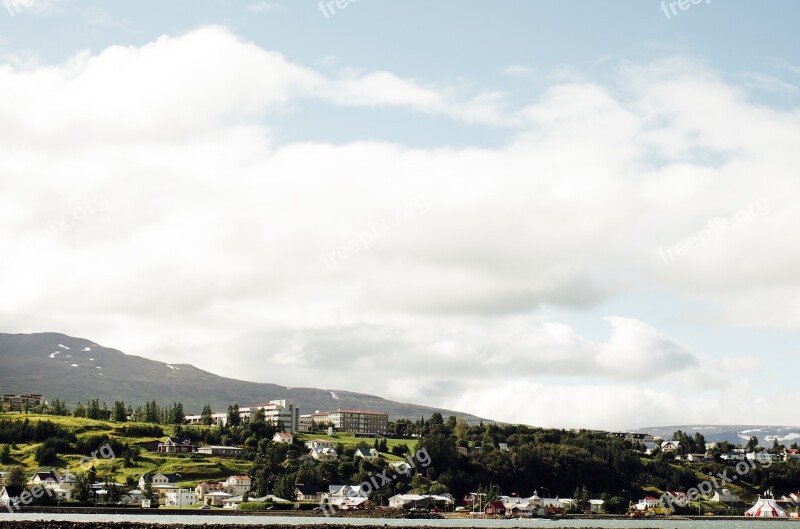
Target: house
column 175, row 446
column 308, row 492
column 596, row 506
column 9, row 494
column 324, row 454
column 791, row 454
column 204, row 488
column 763, row 457
column 67, row 481
column 236, row 485
column 319, row 443
column 495, row 507
column 216, row 499
column 283, row 437
column 732, row 456
column 463, row 450
column 48, row 480
column 648, row 502
column 696, row 458
column 724, row 496
column 221, row 451
column 370, row 454
column 670, row 446
column 409, row 501
column 180, row 498
column 161, row 481
column 353, row 504
column 503, row 447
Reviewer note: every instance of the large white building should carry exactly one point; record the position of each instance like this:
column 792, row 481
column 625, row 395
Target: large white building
column 284, row 411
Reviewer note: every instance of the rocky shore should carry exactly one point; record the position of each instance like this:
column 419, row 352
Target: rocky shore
column 13, row 524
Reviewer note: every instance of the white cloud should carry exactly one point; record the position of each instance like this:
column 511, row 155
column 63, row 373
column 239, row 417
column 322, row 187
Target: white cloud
column 213, row 236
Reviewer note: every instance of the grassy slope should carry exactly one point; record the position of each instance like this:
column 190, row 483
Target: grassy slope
column 193, row 469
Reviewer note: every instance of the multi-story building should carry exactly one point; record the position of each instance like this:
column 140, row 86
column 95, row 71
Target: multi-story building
column 283, row 411
column 360, row 422
column 12, row 402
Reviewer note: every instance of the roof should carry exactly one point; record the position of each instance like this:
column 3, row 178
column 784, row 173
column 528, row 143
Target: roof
column 496, row 504
column 12, row 491
column 367, row 452
column 306, row 490
column 239, row 477
column 359, row 411
column 283, row 435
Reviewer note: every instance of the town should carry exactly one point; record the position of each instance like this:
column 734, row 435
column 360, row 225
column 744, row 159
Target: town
column 270, row 456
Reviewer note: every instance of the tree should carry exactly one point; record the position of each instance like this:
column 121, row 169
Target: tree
column 285, row 487
column 205, row 417
column 5, row 455
column 752, row 444
column 178, row 416
column 82, row 488
column 80, row 411
column 120, row 413
column 15, row 475
column 234, row 419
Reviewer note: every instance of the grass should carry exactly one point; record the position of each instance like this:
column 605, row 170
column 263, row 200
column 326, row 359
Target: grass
column 193, row 469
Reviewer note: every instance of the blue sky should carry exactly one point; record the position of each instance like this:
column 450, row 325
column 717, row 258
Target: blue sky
column 581, row 198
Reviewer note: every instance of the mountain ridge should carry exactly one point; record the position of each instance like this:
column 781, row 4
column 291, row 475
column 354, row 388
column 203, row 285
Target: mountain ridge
column 77, row 369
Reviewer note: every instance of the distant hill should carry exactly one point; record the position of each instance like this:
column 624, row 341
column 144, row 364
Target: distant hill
column 735, row 434
column 76, row 369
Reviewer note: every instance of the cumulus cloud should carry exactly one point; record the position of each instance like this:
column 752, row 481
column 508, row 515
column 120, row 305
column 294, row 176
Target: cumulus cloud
column 216, row 237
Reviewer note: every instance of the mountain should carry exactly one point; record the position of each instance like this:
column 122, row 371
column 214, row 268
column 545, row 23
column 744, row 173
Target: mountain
column 734, row 434
column 76, row 369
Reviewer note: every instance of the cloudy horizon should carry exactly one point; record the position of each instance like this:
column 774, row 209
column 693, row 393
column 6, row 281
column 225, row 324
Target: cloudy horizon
column 535, row 225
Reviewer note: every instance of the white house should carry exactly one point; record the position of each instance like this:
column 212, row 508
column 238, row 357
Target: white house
column 319, row 443
column 236, row 485
column 724, row 496
column 596, row 506
column 763, row 457
column 324, row 454
column 283, row 437
column 733, row 456
column 370, row 454
column 160, row 480
column 181, row 498
column 670, row 446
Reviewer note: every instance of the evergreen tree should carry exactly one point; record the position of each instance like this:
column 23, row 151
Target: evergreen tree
column 205, row 417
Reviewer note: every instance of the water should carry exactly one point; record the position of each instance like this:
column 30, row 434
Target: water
column 489, row 523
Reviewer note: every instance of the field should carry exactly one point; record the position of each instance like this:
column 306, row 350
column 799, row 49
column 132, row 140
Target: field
column 192, row 468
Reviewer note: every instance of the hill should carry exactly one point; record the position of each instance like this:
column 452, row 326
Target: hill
column 76, row 369
column 734, row 434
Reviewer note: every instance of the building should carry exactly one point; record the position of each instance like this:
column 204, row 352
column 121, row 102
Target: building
column 180, row 498
column 367, row 423
column 308, row 492
column 204, row 488
column 319, row 443
column 160, row 480
column 175, row 446
column 724, row 496
column 221, row 451
column 324, row 454
column 275, row 411
column 370, row 454
column 763, row 457
column 495, row 507
column 283, row 437
column 9, row 494
column 670, row 446
column 733, row 456
column 236, row 485
column 14, row 402
column 48, row 480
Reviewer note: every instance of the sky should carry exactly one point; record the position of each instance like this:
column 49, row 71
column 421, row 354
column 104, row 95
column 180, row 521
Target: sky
column 568, row 214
